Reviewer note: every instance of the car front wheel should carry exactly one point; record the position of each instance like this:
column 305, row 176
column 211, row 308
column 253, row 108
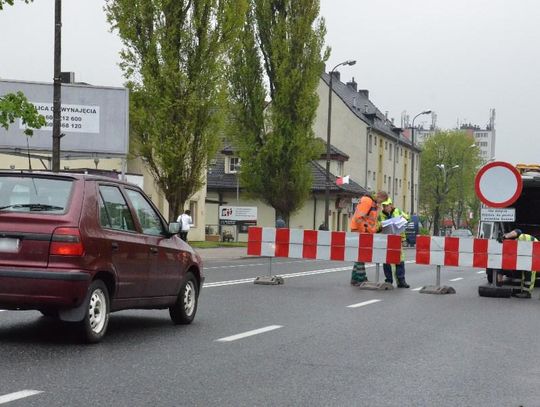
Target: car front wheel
column 96, row 319
column 183, row 311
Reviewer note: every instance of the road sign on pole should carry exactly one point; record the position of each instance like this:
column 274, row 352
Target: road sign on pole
column 498, row 184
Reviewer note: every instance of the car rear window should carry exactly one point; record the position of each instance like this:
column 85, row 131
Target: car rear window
column 34, row 194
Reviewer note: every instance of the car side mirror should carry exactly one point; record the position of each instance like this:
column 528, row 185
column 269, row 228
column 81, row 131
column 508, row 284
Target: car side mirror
column 174, row 228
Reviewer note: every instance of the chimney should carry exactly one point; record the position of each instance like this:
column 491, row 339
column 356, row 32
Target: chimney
column 336, row 75
column 364, row 92
column 352, row 84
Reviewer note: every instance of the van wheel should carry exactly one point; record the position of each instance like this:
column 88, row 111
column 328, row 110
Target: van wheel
column 96, row 319
column 183, row 311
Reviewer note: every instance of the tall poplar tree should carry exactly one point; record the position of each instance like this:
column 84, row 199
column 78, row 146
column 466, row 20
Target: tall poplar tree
column 275, row 70
column 174, row 57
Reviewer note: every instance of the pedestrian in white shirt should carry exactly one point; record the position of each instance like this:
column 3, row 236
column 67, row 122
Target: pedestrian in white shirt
column 185, row 223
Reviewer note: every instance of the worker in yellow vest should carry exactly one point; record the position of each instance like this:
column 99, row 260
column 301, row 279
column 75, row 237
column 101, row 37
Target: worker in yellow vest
column 517, row 234
column 390, row 211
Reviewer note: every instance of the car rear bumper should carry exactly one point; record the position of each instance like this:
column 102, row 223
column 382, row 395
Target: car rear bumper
column 35, row 288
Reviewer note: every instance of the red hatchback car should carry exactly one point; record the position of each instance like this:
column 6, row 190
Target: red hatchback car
column 78, row 246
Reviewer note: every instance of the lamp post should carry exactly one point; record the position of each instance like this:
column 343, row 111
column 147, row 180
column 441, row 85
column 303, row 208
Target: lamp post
column 328, row 138
column 412, row 158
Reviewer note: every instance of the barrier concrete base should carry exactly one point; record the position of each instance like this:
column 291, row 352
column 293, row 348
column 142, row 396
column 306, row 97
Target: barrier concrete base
column 368, row 285
column 269, row 280
column 437, row 289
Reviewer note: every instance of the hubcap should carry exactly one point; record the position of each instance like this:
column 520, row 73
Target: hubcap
column 97, row 310
column 189, row 298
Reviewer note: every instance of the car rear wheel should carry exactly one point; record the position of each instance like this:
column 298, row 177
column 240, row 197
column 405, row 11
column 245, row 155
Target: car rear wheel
column 96, row 319
column 183, row 311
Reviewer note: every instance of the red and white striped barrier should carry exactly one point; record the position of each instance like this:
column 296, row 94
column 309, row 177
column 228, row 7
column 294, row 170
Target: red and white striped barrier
column 481, row 253
column 324, row 245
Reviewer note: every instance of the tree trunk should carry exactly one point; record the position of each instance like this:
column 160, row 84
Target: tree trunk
column 436, row 220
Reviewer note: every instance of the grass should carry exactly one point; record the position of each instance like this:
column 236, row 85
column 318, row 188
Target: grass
column 212, row 245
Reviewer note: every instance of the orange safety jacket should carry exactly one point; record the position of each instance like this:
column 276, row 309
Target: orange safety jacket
column 364, row 219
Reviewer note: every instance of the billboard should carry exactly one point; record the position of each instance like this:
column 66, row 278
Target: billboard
column 94, row 119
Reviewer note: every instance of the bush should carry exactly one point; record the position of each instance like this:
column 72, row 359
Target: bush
column 424, row 232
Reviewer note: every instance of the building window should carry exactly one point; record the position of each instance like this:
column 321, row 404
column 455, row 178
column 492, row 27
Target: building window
column 385, row 179
column 375, row 141
column 193, row 209
column 386, row 145
column 369, row 143
column 374, row 175
column 369, row 174
column 390, row 153
column 340, row 168
column 405, row 153
column 234, row 165
column 400, row 182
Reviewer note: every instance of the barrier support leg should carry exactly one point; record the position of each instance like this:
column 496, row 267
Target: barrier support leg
column 368, row 285
column 437, row 288
column 269, row 279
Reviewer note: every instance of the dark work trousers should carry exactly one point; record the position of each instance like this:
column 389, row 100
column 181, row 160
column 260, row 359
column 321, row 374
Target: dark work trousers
column 183, row 235
column 400, row 272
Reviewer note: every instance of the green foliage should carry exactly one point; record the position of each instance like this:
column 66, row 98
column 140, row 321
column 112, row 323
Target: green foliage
column 10, row 3
column 280, row 46
column 447, row 171
column 16, row 105
column 174, row 59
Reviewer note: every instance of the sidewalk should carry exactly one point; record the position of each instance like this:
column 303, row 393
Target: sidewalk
column 222, row 253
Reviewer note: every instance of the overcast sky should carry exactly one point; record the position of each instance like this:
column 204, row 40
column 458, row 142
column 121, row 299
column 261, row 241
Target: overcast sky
column 457, row 57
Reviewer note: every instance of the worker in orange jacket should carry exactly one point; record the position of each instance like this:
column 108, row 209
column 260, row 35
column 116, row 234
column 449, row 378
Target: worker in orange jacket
column 364, row 220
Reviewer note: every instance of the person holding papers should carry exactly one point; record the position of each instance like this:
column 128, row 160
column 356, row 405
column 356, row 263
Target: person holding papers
column 393, row 220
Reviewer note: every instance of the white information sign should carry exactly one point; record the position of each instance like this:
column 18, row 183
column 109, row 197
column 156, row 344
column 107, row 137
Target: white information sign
column 498, row 215
column 74, row 118
column 238, row 213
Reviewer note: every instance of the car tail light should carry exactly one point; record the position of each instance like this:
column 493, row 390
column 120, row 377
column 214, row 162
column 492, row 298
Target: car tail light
column 66, row 242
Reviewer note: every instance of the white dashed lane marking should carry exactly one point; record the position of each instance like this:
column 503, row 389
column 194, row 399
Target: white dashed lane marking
column 18, row 395
column 361, row 304
column 416, row 289
column 249, row 333
column 456, row 279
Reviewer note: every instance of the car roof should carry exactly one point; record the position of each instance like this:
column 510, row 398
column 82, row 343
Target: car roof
column 65, row 174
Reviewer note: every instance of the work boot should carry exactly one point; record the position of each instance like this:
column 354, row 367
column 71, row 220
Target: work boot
column 389, row 281
column 403, row 284
column 523, row 294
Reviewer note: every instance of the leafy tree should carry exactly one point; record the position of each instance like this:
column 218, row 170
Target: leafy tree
column 174, row 59
column 10, row 3
column 16, row 105
column 449, row 163
column 280, row 56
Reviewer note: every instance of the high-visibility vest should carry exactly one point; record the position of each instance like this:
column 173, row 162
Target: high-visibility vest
column 364, row 222
column 527, row 238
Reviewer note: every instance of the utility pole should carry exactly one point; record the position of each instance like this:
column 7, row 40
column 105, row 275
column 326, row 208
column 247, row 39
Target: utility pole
column 57, row 89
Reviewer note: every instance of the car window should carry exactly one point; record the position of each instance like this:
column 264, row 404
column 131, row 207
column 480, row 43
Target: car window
column 34, row 194
column 150, row 220
column 114, row 212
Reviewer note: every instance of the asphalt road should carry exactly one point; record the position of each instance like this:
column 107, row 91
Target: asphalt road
column 314, row 341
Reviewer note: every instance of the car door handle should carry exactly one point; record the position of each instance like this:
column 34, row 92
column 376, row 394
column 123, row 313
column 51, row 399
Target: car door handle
column 115, row 246
column 153, row 250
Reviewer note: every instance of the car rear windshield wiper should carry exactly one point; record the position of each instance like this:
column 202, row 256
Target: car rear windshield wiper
column 34, row 207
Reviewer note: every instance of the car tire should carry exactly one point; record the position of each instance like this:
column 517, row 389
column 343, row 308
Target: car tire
column 96, row 318
column 184, row 310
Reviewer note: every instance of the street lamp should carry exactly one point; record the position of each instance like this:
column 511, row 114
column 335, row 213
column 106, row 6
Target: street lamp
column 328, row 137
column 412, row 158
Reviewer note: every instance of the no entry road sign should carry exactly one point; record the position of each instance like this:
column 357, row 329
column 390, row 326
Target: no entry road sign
column 498, row 184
